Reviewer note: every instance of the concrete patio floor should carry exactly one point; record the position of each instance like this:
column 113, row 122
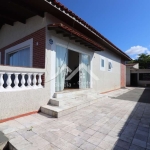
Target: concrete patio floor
column 109, row 124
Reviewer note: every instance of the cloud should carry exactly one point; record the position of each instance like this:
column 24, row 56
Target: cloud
column 134, row 51
column 148, row 52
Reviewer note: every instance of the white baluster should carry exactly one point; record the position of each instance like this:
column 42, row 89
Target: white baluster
column 1, row 80
column 16, row 81
column 40, row 80
column 23, row 80
column 29, row 80
column 9, row 81
column 34, row 80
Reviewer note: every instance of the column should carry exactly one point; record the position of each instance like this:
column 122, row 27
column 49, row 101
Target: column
column 9, row 81
column 40, row 80
column 16, row 81
column 1, row 80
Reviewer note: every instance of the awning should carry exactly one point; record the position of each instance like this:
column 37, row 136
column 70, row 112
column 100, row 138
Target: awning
column 73, row 34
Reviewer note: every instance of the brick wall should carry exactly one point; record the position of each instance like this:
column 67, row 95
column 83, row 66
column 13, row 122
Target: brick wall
column 38, row 50
column 123, row 73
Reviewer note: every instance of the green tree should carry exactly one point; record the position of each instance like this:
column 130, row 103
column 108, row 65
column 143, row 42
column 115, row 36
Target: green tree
column 143, row 60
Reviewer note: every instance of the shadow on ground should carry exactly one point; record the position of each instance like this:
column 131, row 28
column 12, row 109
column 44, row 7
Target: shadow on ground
column 135, row 133
column 137, row 95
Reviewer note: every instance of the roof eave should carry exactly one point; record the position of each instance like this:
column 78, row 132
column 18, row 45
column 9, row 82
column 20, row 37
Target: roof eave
column 75, row 35
column 78, row 20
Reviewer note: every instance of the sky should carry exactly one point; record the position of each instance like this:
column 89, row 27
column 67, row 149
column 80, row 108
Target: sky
column 126, row 23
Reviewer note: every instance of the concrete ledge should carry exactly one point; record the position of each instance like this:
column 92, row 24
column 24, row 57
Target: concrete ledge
column 4, row 68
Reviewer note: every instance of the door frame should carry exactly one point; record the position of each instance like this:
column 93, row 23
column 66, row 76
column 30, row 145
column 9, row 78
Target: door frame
column 53, row 60
column 89, row 78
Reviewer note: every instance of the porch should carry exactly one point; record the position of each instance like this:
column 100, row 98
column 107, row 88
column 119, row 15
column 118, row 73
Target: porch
column 27, row 90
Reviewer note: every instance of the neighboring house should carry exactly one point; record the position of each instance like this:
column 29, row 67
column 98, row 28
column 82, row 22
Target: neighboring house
column 136, row 76
column 38, row 40
column 148, row 65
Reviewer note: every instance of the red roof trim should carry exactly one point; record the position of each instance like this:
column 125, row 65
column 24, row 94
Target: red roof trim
column 77, row 33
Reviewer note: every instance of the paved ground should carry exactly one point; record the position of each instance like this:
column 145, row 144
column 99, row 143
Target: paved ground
column 110, row 124
column 137, row 95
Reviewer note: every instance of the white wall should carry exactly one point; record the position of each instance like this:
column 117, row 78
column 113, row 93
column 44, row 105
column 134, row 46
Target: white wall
column 10, row 34
column 136, row 66
column 108, row 80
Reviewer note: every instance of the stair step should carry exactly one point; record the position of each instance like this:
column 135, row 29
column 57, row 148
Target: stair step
column 70, row 93
column 76, row 99
column 59, row 111
column 3, row 141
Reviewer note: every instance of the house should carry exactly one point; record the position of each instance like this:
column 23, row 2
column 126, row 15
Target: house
column 45, row 48
column 137, row 77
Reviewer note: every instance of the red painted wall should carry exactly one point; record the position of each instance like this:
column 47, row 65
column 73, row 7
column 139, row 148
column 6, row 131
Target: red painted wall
column 123, row 73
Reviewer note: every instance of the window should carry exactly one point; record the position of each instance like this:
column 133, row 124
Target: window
column 110, row 66
column 144, row 76
column 20, row 55
column 102, row 62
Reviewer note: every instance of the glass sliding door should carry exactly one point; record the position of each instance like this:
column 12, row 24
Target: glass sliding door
column 84, row 71
column 61, row 67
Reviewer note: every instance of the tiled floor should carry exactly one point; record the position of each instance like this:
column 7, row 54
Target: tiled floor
column 110, row 124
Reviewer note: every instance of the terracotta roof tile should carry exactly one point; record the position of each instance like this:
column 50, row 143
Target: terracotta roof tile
column 77, row 33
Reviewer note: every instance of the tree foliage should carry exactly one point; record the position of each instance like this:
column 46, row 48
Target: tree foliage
column 143, row 60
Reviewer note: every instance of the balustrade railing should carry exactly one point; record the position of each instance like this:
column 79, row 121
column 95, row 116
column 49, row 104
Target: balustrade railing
column 20, row 79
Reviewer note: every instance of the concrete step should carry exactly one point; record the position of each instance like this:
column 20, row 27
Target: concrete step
column 3, row 141
column 67, row 108
column 61, row 101
column 71, row 93
column 75, row 99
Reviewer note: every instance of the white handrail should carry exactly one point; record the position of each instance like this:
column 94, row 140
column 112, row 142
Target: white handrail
column 20, row 78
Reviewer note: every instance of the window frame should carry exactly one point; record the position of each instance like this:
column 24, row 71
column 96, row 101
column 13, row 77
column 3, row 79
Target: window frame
column 110, row 61
column 18, row 47
column 102, row 63
column 102, row 67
